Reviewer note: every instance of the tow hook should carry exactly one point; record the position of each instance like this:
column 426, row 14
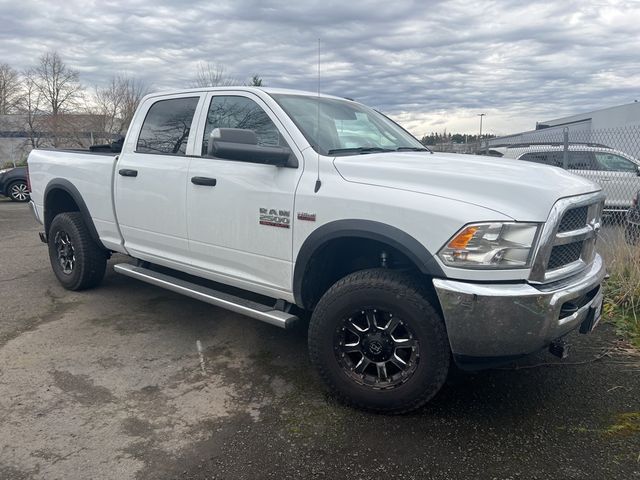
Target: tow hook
column 559, row 348
column 43, row 237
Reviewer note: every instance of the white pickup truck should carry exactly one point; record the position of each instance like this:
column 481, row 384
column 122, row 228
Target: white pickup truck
column 273, row 203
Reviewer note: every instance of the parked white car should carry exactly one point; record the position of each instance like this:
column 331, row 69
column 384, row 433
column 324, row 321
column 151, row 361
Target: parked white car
column 294, row 202
column 616, row 172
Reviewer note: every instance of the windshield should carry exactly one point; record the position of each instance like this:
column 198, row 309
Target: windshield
column 346, row 127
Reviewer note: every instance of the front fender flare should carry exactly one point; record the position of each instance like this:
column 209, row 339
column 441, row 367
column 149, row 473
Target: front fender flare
column 381, row 232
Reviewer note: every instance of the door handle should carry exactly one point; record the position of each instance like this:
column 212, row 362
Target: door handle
column 126, row 172
column 209, row 182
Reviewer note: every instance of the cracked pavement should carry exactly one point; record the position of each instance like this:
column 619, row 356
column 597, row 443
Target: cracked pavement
column 111, row 384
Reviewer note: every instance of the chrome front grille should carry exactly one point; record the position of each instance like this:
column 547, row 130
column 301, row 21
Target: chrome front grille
column 574, row 218
column 567, row 243
column 562, row 255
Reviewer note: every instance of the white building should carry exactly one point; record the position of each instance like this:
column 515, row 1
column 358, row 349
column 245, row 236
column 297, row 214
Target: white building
column 617, row 127
column 607, row 118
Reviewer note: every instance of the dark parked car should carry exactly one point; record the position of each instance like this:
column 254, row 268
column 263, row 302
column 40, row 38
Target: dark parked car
column 632, row 230
column 13, row 184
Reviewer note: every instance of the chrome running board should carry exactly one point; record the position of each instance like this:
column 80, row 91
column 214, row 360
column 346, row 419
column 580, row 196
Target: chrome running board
column 236, row 304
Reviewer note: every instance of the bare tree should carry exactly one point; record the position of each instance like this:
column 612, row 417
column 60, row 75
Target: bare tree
column 134, row 90
column 108, row 105
column 58, row 85
column 29, row 105
column 256, row 81
column 9, row 89
column 59, row 90
column 212, row 75
column 116, row 103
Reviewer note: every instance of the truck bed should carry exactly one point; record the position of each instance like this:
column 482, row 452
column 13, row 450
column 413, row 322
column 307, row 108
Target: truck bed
column 91, row 173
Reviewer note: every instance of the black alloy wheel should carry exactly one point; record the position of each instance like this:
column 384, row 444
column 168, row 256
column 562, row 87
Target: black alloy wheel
column 378, row 342
column 77, row 260
column 66, row 252
column 376, row 348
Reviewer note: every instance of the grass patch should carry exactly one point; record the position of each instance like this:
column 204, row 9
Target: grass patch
column 622, row 290
column 626, row 424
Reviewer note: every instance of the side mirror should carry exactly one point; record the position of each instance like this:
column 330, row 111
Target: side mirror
column 638, row 170
column 241, row 144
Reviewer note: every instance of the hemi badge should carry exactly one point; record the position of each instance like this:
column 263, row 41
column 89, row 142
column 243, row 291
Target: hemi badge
column 309, row 217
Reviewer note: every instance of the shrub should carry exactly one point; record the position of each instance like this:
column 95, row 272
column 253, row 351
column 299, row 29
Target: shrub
column 622, row 290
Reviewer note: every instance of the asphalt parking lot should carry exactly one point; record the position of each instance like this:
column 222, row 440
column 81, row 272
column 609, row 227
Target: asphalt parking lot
column 130, row 381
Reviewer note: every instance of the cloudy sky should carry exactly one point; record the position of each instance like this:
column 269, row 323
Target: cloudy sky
column 431, row 64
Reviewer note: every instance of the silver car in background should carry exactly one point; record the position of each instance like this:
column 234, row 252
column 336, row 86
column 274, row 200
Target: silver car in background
column 616, row 172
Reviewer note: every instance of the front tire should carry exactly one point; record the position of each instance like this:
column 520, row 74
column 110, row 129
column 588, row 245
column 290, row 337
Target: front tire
column 19, row 191
column 77, row 260
column 378, row 343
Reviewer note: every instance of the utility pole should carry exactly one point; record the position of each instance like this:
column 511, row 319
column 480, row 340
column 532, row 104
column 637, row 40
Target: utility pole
column 480, row 136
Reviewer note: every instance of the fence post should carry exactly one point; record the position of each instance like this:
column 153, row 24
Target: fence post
column 565, row 150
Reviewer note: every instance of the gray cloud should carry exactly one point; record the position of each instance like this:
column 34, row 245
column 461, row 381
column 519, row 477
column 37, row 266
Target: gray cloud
column 431, row 64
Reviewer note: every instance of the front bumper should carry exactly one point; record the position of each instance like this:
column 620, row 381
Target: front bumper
column 504, row 320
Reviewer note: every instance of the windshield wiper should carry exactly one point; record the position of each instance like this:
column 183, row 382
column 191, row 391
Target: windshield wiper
column 359, row 150
column 412, row 149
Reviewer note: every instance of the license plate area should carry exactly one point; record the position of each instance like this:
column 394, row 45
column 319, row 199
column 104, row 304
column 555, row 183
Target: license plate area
column 594, row 315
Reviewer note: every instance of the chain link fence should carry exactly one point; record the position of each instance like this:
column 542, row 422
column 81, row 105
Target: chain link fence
column 607, row 157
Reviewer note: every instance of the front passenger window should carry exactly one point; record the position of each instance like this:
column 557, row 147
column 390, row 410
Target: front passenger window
column 615, row 163
column 241, row 112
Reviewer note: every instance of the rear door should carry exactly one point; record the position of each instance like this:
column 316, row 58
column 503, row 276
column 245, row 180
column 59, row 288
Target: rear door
column 552, row 158
column 241, row 227
column 583, row 163
column 151, row 178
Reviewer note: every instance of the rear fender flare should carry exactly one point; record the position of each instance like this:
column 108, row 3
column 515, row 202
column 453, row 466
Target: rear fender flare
column 67, row 187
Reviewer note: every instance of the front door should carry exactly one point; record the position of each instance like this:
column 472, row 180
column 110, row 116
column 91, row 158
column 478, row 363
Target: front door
column 241, row 228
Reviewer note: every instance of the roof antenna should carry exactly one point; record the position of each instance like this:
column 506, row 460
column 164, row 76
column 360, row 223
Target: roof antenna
column 318, row 182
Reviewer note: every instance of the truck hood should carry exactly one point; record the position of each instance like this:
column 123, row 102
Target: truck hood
column 521, row 190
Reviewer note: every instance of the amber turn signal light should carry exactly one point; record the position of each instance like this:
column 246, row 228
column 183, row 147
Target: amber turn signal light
column 461, row 240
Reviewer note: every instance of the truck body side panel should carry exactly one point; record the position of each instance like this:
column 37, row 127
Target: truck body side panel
column 92, row 176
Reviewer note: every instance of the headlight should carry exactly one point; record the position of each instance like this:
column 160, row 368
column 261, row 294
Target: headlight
column 491, row 245
column 5, row 170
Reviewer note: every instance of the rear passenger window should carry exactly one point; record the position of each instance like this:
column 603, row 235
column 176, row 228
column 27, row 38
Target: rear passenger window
column 582, row 161
column 165, row 129
column 241, row 112
column 546, row 158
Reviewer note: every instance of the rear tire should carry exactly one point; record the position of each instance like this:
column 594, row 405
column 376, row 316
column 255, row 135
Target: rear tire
column 395, row 366
column 77, row 260
column 18, row 191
